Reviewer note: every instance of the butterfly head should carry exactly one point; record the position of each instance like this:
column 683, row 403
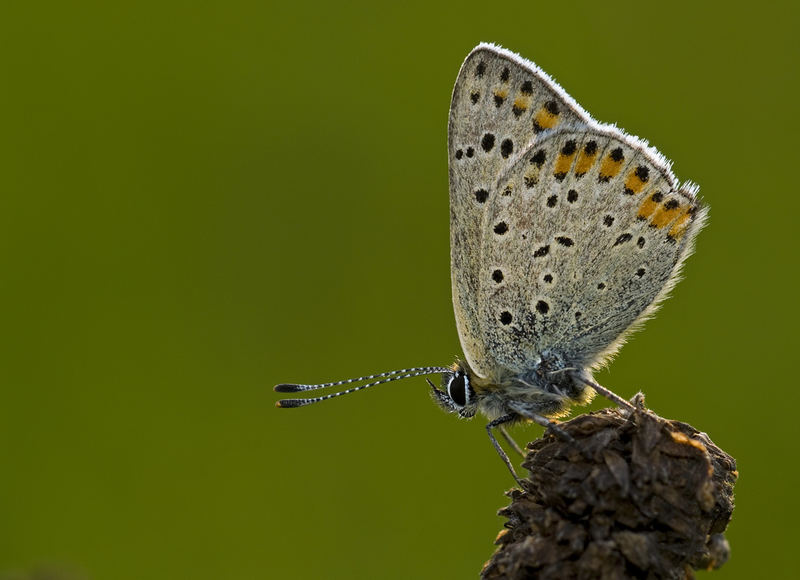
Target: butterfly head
column 457, row 394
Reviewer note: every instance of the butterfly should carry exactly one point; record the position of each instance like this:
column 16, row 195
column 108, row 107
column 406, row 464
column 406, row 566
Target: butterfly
column 565, row 236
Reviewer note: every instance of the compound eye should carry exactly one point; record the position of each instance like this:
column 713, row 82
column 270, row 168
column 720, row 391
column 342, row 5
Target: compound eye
column 458, row 389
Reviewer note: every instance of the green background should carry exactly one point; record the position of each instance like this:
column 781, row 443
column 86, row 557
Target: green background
column 200, row 200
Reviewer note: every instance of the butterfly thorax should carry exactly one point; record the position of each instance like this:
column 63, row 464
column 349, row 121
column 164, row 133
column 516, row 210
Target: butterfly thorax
column 549, row 387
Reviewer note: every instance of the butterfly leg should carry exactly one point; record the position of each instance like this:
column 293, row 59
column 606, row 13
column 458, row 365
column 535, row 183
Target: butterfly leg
column 510, row 440
column 549, row 425
column 608, row 394
column 498, row 423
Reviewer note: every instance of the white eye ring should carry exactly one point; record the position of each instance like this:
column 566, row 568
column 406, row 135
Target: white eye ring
column 459, row 390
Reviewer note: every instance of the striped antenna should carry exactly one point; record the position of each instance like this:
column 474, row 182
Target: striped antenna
column 384, row 378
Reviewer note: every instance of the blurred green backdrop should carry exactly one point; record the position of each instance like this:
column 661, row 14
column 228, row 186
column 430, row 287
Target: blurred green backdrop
column 200, row 200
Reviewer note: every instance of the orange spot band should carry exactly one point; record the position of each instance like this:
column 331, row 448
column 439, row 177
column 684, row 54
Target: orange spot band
column 680, row 226
column 545, row 119
column 634, row 182
column 585, row 162
column 563, row 163
column 664, row 216
column 610, row 168
column 648, row 207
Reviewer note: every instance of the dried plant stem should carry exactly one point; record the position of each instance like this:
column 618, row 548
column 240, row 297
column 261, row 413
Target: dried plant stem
column 633, row 496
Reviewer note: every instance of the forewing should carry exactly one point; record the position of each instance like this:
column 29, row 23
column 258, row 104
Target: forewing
column 502, row 104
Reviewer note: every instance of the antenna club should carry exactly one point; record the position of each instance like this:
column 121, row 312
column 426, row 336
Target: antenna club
column 289, row 403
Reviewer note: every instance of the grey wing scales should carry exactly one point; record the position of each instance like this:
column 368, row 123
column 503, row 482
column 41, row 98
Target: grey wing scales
column 582, row 238
column 501, row 105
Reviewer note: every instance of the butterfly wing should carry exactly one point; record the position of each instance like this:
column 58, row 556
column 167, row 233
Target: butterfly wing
column 582, row 238
column 501, row 105
column 565, row 233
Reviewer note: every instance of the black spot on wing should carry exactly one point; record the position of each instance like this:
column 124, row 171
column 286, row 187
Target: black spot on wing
column 622, row 239
column 506, row 148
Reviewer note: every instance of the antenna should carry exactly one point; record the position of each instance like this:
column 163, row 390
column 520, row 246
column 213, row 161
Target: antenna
column 384, row 378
